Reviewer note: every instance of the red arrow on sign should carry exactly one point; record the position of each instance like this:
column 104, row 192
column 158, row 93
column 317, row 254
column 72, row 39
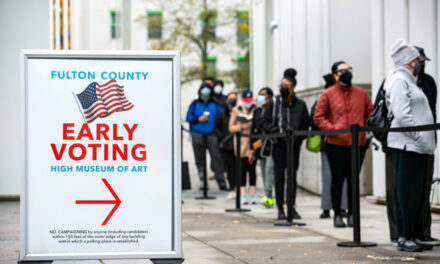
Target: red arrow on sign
column 116, row 202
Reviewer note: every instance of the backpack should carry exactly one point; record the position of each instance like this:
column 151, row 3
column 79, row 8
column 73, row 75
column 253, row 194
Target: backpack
column 379, row 116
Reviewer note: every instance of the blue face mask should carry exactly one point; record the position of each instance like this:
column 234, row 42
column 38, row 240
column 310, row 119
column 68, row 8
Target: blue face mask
column 205, row 91
column 261, row 100
column 248, row 105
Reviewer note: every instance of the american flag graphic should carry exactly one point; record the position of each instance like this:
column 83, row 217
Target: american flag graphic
column 102, row 100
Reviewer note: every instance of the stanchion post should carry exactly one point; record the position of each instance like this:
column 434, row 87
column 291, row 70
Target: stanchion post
column 290, row 173
column 355, row 168
column 238, row 176
column 205, row 171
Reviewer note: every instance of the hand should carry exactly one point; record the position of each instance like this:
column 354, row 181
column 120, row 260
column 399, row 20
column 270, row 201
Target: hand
column 203, row 118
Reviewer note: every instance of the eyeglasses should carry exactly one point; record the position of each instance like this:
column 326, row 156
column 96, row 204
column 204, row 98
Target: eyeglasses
column 346, row 69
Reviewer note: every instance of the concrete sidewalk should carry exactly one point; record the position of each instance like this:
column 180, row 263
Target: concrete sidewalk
column 212, row 236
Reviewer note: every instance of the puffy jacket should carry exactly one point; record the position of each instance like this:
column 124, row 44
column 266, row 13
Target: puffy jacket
column 338, row 108
column 221, row 130
column 235, row 125
column 288, row 114
column 196, row 109
column 408, row 106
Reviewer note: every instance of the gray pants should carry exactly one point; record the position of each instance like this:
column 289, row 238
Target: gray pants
column 214, row 152
column 267, row 172
column 326, row 174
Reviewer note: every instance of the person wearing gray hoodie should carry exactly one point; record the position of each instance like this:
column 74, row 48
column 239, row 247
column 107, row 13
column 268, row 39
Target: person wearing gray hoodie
column 408, row 106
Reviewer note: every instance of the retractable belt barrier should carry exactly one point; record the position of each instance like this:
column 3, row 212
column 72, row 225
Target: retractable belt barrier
column 354, row 130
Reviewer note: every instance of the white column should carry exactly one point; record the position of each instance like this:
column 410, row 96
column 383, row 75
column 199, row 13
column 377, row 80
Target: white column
column 258, row 36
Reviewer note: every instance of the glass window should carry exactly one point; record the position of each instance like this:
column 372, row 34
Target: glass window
column 211, row 17
column 154, row 24
column 212, row 66
column 242, row 25
column 115, row 22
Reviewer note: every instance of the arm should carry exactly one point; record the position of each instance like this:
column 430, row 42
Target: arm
column 305, row 123
column 234, row 126
column 322, row 112
column 191, row 115
column 218, row 126
column 400, row 103
column 368, row 108
column 268, row 126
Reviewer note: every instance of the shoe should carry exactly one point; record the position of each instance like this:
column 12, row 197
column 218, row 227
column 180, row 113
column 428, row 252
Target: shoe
column 267, row 202
column 281, row 215
column 295, row 214
column 430, row 241
column 325, row 214
column 408, row 245
column 253, row 199
column 243, row 200
column 338, row 222
column 350, row 221
column 223, row 187
column 343, row 213
column 394, row 242
column 230, row 196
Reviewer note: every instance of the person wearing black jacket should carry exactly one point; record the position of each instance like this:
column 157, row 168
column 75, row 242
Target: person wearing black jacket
column 290, row 114
column 225, row 139
column 218, row 93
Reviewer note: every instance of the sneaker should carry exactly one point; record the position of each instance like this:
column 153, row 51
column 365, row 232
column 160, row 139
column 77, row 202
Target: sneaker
column 230, row 196
column 253, row 199
column 343, row 213
column 394, row 242
column 408, row 245
column 271, row 202
column 267, row 202
column 243, row 200
column 325, row 214
column 338, row 222
column 428, row 241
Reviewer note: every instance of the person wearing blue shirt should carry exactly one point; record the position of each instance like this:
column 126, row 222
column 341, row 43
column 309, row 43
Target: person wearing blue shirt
column 201, row 117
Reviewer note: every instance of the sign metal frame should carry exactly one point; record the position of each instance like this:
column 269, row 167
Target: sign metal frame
column 174, row 57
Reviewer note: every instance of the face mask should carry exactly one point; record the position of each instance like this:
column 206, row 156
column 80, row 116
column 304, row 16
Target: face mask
column 218, row 89
column 417, row 69
column 205, row 91
column 284, row 91
column 232, row 102
column 261, row 100
column 345, row 78
column 248, row 105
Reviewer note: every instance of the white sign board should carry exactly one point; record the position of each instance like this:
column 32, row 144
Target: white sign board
column 102, row 157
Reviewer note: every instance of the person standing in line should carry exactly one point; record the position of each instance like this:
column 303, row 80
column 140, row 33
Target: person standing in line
column 326, row 174
column 429, row 88
column 338, row 107
column 225, row 140
column 408, row 106
column 218, row 93
column 201, row 116
column 241, row 121
column 290, row 114
column 265, row 95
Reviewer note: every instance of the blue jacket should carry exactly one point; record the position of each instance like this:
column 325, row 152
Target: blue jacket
column 196, row 109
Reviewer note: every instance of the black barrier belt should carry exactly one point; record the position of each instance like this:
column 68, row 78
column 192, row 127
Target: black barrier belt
column 342, row 131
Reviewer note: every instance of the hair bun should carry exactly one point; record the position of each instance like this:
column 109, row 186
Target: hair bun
column 290, row 73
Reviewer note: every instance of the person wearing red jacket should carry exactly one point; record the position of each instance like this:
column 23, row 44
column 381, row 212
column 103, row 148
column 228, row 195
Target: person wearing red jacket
column 338, row 107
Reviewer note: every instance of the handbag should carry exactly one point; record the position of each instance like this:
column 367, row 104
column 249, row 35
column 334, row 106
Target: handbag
column 313, row 143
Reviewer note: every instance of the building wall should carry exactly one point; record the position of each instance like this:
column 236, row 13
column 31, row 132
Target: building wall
column 24, row 24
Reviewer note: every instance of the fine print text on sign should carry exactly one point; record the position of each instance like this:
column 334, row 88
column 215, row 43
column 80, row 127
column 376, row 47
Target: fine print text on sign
column 102, row 156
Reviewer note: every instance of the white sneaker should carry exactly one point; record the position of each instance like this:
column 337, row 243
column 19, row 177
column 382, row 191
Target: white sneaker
column 230, row 196
column 243, row 200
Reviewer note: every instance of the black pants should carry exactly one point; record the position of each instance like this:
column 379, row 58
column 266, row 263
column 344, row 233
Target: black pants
column 339, row 158
column 229, row 163
column 280, row 165
column 247, row 168
column 389, row 186
column 410, row 170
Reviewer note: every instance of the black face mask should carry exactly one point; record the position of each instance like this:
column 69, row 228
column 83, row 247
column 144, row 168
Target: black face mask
column 345, row 78
column 284, row 91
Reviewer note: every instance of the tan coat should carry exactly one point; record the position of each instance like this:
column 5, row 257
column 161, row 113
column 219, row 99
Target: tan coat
column 236, row 125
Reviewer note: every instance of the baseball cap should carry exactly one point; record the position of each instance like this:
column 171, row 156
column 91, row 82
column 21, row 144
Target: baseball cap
column 246, row 96
column 422, row 55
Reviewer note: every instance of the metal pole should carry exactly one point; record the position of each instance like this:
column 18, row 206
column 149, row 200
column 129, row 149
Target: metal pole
column 205, row 171
column 355, row 168
column 237, row 177
column 289, row 191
